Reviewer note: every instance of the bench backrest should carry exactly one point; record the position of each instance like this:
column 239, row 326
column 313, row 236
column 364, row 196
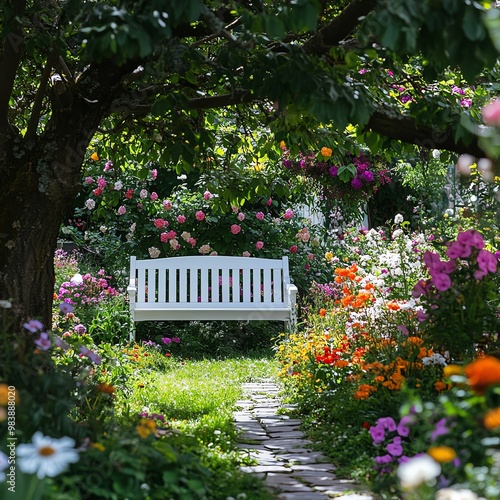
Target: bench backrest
column 209, row 279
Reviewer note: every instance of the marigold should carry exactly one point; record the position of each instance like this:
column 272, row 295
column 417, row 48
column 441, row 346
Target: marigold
column 146, row 427
column 482, row 373
column 492, row 419
column 5, row 392
column 322, row 312
column 451, row 370
column 94, row 156
column 440, row 386
column 442, row 453
column 326, row 152
column 105, row 388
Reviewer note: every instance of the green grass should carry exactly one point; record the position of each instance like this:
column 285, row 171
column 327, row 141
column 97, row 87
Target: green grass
column 197, row 399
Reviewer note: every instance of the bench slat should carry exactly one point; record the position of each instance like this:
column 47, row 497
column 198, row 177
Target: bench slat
column 204, row 285
column 247, row 296
column 277, row 285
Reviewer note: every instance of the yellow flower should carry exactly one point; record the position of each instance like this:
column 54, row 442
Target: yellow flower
column 328, row 255
column 326, row 152
column 94, row 156
column 146, row 427
column 98, row 446
column 442, row 453
column 492, row 419
column 451, row 370
column 282, row 145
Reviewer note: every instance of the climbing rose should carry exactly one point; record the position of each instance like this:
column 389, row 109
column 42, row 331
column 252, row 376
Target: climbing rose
column 294, row 249
column 90, row 204
column 167, row 205
column 241, row 216
column 207, row 195
column 160, row 223
column 121, row 210
column 260, row 215
column 235, row 229
column 89, row 180
column 259, row 245
column 288, row 214
column 154, row 196
column 143, row 194
column 491, row 113
column 129, row 193
column 181, row 219
column 154, row 173
column 199, row 215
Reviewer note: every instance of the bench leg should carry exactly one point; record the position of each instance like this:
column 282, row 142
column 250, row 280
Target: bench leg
column 132, row 332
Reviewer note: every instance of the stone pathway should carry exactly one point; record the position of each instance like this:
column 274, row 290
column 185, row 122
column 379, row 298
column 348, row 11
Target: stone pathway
column 292, row 471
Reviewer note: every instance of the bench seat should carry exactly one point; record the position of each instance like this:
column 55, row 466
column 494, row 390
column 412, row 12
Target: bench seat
column 211, row 288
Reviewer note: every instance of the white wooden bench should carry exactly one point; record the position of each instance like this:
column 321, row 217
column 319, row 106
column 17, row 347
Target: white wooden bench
column 209, row 287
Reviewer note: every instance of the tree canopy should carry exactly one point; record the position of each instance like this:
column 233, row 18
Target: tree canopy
column 159, row 80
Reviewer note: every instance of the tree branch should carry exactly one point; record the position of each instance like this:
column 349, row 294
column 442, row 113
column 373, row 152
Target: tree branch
column 339, row 28
column 405, row 129
column 9, row 62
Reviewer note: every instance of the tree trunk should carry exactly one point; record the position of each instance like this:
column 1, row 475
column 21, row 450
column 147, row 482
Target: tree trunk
column 32, row 205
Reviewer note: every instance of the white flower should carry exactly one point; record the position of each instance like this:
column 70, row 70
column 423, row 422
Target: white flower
column 46, row 456
column 77, row 279
column 154, row 252
column 5, row 304
column 90, row 204
column 103, row 229
column 143, row 194
column 435, row 359
column 418, row 470
column 398, row 219
column 451, row 494
column 118, row 185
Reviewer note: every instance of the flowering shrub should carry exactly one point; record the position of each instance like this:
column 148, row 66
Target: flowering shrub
column 462, row 291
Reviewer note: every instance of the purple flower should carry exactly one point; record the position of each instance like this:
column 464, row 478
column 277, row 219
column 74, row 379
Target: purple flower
column 60, row 343
column 85, row 351
column 33, row 325
column 387, row 423
column 403, row 429
column 395, row 448
column 377, row 433
column 356, row 183
column 440, row 429
column 441, row 281
column 43, row 342
column 333, row 170
column 166, row 340
column 404, row 330
column 287, row 163
column 367, row 176
column 472, row 238
column 80, row 329
column 458, row 250
column 487, row 261
column 66, row 308
column 176, row 339
column 383, row 459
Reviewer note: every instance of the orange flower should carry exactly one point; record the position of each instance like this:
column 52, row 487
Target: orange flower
column 442, row 453
column 322, row 312
column 415, row 340
column 105, row 388
column 282, row 145
column 483, row 372
column 94, row 156
column 492, row 419
column 146, row 427
column 393, row 306
column 440, row 386
column 341, row 363
column 451, row 370
column 326, row 152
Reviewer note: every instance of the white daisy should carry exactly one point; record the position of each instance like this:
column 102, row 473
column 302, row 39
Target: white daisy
column 418, row 470
column 46, row 456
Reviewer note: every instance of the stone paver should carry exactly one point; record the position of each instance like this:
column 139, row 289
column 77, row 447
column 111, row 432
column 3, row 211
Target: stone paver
column 291, row 469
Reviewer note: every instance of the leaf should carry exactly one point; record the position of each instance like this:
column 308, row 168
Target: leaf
column 472, row 25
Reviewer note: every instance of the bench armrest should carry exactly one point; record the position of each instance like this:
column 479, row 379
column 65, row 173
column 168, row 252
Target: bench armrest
column 291, row 294
column 132, row 291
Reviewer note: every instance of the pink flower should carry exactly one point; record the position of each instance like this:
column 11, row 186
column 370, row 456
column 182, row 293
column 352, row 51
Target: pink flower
column 122, row 210
column 441, row 281
column 101, row 183
column 181, row 219
column 154, row 196
column 143, row 194
column 163, row 237
column 245, row 254
column 207, row 195
column 235, row 209
column 235, row 229
column 294, row 249
column 108, row 166
column 204, row 249
column 199, row 215
column 89, row 180
column 487, row 261
column 472, row 238
column 457, row 250
column 241, row 216
column 154, row 173
column 44, row 341
column 491, row 113
column 310, row 256
column 85, row 351
column 160, row 223
column 269, row 202
column 260, row 215
column 259, row 245
column 288, row 214
column 167, row 205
